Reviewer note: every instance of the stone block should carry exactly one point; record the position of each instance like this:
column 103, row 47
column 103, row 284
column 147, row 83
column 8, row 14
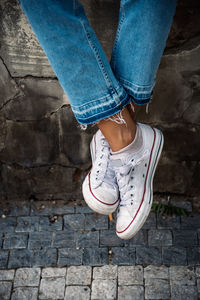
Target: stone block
column 53, row 272
column 27, row 277
column 52, row 288
column 95, row 256
column 160, row 238
column 110, row 239
column 96, row 222
column 185, row 238
column 15, row 240
column 83, row 210
column 193, row 255
column 74, row 222
column 174, row 256
column 164, row 222
column 140, row 239
column 150, row 222
column 20, row 258
column 25, row 293
column 179, row 292
column 50, row 223
column 190, row 222
column 105, row 272
column 198, row 272
column 148, row 255
column 160, row 272
column 130, row 292
column 122, row 256
column 157, row 289
column 5, row 290
column 8, row 224
column 7, row 274
column 182, row 275
column 45, row 257
column 70, row 256
column 88, row 239
column 77, row 292
column 104, row 289
column 130, row 275
column 21, row 208
column 40, row 240
column 50, row 208
column 27, row 224
column 79, row 275
column 3, row 258
column 64, row 239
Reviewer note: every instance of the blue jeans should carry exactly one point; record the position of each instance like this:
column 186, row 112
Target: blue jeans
column 97, row 88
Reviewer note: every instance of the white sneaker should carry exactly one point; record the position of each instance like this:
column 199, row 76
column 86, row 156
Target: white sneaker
column 99, row 188
column 135, row 174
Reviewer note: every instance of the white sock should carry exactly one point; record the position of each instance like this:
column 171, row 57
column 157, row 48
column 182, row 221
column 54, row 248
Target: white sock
column 134, row 146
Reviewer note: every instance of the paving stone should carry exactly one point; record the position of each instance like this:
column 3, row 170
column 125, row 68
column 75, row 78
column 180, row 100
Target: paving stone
column 130, row 275
column 95, row 256
column 53, row 272
column 157, row 289
column 148, row 255
column 123, row 256
column 160, row 238
column 182, row 275
column 45, row 257
column 105, row 272
column 5, row 290
column 173, row 222
column 74, row 222
column 79, row 275
column 185, row 238
column 182, row 204
column 15, row 240
column 96, row 222
column 198, row 272
column 161, row 272
column 190, row 222
column 52, row 288
column 87, row 239
column 180, row 292
column 40, row 240
column 3, row 258
column 174, row 256
column 25, row 293
column 104, row 289
column 27, row 224
column 45, row 208
column 140, row 239
column 49, row 223
column 64, row 239
column 198, row 286
column 110, row 239
column 18, row 210
column 20, row 258
column 130, row 292
column 8, row 224
column 83, row 210
column 150, row 223
column 7, row 274
column 69, row 256
column 193, row 255
column 77, row 292
column 1, row 240
column 27, row 277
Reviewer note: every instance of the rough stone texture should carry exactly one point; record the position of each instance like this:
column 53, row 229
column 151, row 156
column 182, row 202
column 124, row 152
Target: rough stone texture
column 130, row 275
column 104, row 289
column 40, row 143
column 77, row 292
column 53, row 288
column 80, row 275
column 179, row 292
column 25, row 294
column 157, row 289
column 53, row 272
column 156, row 272
column 130, row 292
column 108, row 272
column 5, row 290
column 27, row 277
column 7, row 274
column 182, row 275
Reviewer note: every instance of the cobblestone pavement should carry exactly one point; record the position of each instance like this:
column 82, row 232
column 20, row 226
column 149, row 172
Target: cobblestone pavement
column 63, row 252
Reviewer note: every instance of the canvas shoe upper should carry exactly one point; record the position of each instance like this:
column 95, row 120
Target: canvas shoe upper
column 134, row 174
column 100, row 188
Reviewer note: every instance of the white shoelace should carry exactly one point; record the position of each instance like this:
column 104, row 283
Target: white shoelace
column 125, row 179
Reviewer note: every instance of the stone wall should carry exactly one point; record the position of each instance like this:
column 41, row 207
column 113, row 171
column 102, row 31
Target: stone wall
column 44, row 154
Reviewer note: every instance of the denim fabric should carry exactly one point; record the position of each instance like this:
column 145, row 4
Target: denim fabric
column 97, row 88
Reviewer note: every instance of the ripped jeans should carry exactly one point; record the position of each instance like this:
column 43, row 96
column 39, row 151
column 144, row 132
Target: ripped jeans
column 97, row 88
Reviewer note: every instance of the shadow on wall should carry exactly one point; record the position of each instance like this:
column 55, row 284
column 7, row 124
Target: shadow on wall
column 42, row 150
